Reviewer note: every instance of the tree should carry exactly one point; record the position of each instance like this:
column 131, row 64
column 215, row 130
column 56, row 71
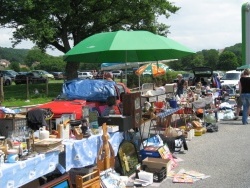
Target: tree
column 211, row 58
column 227, row 61
column 15, row 66
column 57, row 23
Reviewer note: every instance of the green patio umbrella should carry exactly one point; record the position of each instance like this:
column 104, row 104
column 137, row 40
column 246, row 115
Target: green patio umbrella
column 247, row 66
column 126, row 46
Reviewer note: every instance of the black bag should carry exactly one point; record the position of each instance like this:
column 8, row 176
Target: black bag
column 175, row 143
column 212, row 127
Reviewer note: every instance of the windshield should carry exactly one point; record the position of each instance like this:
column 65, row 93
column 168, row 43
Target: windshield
column 231, row 76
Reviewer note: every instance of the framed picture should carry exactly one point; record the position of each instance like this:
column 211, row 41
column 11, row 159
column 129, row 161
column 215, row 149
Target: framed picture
column 62, row 181
column 128, row 158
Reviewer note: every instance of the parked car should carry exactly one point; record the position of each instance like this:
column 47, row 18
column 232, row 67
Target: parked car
column 117, row 73
column 6, row 80
column 99, row 75
column 203, row 75
column 58, row 75
column 85, row 75
column 231, row 79
column 219, row 74
column 33, row 77
column 10, row 73
column 44, row 74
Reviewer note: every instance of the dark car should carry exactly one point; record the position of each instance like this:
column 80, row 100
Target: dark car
column 58, row 75
column 32, row 77
column 10, row 73
column 99, row 75
column 203, row 75
column 6, row 80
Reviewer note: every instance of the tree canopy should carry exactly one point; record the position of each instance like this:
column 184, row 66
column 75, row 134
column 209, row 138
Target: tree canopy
column 62, row 24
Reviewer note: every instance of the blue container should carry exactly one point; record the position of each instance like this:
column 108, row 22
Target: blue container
column 144, row 154
column 173, row 103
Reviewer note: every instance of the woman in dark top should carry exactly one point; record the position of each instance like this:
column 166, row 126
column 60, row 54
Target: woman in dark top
column 180, row 85
column 245, row 94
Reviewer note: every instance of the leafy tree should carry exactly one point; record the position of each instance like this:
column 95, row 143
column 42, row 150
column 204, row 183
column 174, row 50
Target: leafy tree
column 198, row 61
column 211, row 58
column 227, row 61
column 55, row 23
column 15, row 66
column 237, row 50
column 34, row 55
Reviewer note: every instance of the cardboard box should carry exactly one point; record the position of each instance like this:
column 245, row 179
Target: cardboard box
column 157, row 163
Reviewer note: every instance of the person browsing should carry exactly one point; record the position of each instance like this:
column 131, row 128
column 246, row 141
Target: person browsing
column 245, row 94
column 181, row 84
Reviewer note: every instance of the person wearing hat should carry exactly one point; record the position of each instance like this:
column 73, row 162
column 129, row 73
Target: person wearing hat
column 181, row 84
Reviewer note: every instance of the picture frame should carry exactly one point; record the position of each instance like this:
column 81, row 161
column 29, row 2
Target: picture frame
column 62, row 181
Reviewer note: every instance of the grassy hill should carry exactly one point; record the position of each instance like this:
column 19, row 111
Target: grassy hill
column 13, row 55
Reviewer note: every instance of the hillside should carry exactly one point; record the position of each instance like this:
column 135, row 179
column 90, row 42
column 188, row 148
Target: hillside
column 13, row 55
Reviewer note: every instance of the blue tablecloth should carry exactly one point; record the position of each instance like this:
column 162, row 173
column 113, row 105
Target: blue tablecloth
column 81, row 153
column 167, row 112
column 22, row 172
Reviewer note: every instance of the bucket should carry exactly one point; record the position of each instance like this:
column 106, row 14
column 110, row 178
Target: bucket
column 173, row 103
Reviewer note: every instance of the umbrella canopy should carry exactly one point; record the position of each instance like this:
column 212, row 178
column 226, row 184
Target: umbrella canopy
column 126, row 46
column 247, row 66
column 154, row 69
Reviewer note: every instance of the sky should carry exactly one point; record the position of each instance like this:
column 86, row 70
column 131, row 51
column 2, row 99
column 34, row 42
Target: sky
column 199, row 24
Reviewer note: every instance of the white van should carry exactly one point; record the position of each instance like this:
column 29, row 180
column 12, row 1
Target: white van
column 85, row 75
column 231, row 79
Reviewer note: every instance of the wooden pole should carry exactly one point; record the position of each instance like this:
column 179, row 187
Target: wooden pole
column 47, row 87
column 27, row 88
column 1, row 90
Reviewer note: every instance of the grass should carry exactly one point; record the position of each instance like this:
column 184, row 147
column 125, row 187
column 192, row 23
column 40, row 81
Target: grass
column 17, row 95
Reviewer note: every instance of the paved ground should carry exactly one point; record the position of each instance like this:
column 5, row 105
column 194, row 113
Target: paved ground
column 224, row 155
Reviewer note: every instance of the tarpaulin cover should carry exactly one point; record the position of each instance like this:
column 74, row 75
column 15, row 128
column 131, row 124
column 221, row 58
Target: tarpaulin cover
column 90, row 90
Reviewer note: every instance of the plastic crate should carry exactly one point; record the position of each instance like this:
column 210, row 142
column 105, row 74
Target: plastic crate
column 144, row 154
column 158, row 174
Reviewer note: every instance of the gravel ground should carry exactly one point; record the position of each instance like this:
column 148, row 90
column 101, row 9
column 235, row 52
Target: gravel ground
column 224, row 155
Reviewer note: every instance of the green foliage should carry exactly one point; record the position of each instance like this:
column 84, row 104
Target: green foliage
column 54, row 23
column 133, row 80
column 227, row 61
column 15, row 66
column 13, row 55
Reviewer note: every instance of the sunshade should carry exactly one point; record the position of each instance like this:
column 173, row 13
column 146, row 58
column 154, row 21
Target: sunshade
column 126, row 46
column 154, row 69
column 247, row 66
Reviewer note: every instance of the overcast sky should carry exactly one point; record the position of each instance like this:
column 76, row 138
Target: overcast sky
column 199, row 24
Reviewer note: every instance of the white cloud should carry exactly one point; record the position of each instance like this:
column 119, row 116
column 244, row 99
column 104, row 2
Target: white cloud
column 5, row 41
column 206, row 24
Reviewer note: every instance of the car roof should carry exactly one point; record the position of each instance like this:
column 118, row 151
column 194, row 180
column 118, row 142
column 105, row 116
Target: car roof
column 203, row 71
column 233, row 71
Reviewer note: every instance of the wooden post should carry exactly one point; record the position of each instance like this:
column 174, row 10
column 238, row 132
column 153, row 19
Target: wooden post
column 47, row 87
column 1, row 90
column 27, row 88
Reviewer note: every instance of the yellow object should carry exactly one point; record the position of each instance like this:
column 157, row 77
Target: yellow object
column 197, row 132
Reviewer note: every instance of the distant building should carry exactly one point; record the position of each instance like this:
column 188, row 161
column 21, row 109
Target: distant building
column 4, row 63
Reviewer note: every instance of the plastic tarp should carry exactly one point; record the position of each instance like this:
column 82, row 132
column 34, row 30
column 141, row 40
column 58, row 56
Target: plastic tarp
column 90, row 90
